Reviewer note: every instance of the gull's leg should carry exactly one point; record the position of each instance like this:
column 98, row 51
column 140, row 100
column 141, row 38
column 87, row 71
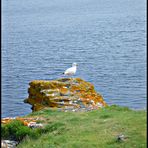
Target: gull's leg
column 71, row 79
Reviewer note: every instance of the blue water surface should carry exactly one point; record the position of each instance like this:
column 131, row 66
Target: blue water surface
column 41, row 38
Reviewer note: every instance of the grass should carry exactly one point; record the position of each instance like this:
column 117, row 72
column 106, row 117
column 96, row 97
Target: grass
column 95, row 129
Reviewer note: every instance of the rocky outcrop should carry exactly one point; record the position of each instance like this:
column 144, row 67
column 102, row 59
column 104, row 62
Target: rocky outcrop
column 66, row 93
column 27, row 121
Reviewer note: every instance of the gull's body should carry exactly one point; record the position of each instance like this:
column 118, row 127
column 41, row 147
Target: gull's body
column 71, row 71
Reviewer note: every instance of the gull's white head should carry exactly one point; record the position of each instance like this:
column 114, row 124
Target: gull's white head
column 74, row 64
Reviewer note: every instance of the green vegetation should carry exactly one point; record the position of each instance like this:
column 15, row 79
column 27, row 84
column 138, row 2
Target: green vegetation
column 15, row 130
column 94, row 129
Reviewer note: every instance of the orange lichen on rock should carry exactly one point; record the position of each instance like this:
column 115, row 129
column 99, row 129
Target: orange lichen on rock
column 25, row 121
column 62, row 93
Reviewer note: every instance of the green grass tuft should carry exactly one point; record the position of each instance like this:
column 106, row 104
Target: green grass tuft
column 14, row 130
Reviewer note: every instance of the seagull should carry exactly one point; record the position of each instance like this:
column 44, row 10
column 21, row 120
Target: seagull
column 71, row 71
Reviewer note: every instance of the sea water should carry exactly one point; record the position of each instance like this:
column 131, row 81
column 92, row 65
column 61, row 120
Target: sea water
column 42, row 38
